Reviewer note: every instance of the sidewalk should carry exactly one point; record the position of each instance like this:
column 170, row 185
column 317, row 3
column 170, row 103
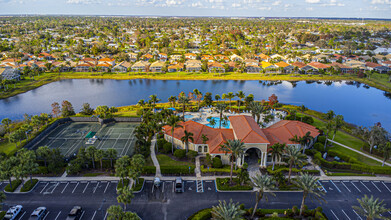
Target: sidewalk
column 154, row 158
column 197, row 169
column 364, row 154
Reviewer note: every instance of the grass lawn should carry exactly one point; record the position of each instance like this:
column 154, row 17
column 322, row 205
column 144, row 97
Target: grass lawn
column 7, row 147
column 165, row 160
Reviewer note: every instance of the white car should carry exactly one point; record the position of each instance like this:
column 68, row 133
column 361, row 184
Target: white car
column 13, row 212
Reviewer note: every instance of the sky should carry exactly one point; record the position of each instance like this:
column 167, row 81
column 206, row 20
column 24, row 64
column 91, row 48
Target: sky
column 230, row 8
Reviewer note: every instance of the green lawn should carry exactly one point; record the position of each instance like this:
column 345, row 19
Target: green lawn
column 165, row 160
column 7, row 147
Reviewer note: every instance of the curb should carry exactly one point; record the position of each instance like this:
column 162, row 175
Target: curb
column 142, row 187
column 23, row 192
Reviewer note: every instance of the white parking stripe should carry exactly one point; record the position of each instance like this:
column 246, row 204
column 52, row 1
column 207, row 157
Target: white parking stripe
column 105, row 216
column 334, row 214
column 357, row 215
column 75, row 187
column 46, row 215
column 108, row 183
column 82, row 215
column 376, row 186
column 44, row 187
column 345, row 214
column 335, row 186
column 55, row 187
column 93, row 216
column 57, row 215
column 96, row 187
column 386, row 187
column 365, row 186
column 322, row 186
column 64, row 188
column 86, row 187
column 22, row 215
column 355, row 186
column 346, row 187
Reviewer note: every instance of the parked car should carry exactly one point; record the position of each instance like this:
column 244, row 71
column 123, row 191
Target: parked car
column 38, row 214
column 157, row 182
column 179, row 185
column 75, row 213
column 13, row 212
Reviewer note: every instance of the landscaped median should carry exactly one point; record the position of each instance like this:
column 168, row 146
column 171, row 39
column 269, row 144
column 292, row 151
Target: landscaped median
column 224, row 184
column 225, row 170
column 123, row 183
column 138, row 185
column 14, row 183
column 29, row 185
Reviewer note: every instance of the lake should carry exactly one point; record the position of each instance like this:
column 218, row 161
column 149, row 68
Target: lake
column 358, row 103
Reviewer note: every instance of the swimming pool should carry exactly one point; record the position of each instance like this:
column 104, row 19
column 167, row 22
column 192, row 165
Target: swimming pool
column 224, row 123
column 189, row 116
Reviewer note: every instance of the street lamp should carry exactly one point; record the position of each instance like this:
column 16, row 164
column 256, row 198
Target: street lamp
column 101, row 207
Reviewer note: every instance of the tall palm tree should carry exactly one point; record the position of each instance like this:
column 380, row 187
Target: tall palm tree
column 330, row 115
column 99, row 155
column 240, row 94
column 172, row 100
column 43, row 152
column 371, row 208
column 236, row 149
column 115, row 212
column 154, row 100
column 111, row 154
column 217, row 97
column 198, row 96
column 308, row 183
column 295, row 157
column 386, row 149
column 276, row 152
column 328, row 130
column 141, row 103
column 224, row 96
column 6, row 122
column 338, row 122
column 184, row 101
column 261, row 184
column 188, row 136
column 125, row 196
column 91, row 151
column 220, row 108
column 230, row 96
column 174, row 122
column 256, row 110
column 230, row 211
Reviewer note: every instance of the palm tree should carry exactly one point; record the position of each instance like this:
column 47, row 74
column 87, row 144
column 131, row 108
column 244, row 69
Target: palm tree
column 184, row 101
column 261, row 184
column 330, row 115
column 204, row 138
column 115, row 212
column 198, row 96
column 111, row 154
column 224, row 96
column 217, row 97
column 141, row 103
column 295, row 157
column 188, row 136
column 174, row 122
column 90, row 151
column 328, row 129
column 212, row 122
column 125, row 196
column 230, row 211
column 308, row 183
column 121, row 167
column 99, row 155
column 338, row 122
column 43, row 152
column 256, row 110
column 240, row 94
column 371, row 208
column 236, row 148
column 220, row 108
column 386, row 149
column 172, row 100
column 6, row 122
column 276, row 152
column 154, row 100
column 230, row 96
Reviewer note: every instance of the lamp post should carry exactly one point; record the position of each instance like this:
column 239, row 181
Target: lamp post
column 101, row 208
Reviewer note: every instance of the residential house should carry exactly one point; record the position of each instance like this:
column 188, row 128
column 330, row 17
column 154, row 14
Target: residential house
column 107, row 60
column 122, row 67
column 163, row 57
column 208, row 58
column 132, row 57
column 221, row 58
column 140, row 66
column 377, row 67
column 264, row 57
column 193, row 66
column 236, row 58
column 355, row 64
column 9, row 74
column 267, row 66
column 341, row 67
column 84, row 67
column 10, row 62
column 252, row 66
column 319, row 66
column 147, row 57
column 157, row 67
column 175, row 58
column 321, row 58
column 287, row 68
column 175, row 67
column 190, row 56
column 215, row 67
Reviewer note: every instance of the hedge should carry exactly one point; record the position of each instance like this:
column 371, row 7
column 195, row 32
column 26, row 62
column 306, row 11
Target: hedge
column 348, row 174
column 225, row 169
column 15, row 184
column 139, row 185
column 29, row 185
column 149, row 170
column 2, row 214
column 126, row 183
column 177, row 169
column 203, row 214
column 220, row 185
column 294, row 170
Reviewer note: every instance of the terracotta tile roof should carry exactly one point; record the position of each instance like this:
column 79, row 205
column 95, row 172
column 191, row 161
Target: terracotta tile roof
column 340, row 65
column 247, row 130
column 176, row 66
column 370, row 64
column 318, row 65
column 284, row 130
column 282, row 64
column 106, row 60
column 215, row 64
column 299, row 64
column 264, row 56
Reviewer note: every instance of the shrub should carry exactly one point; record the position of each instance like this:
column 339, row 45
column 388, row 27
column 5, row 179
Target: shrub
column 203, row 214
column 295, row 210
column 126, row 183
column 15, row 184
column 177, row 169
column 149, row 170
column 139, row 185
column 319, row 147
column 160, row 143
column 29, row 185
column 191, row 154
column 180, row 153
column 2, row 214
column 224, row 169
column 41, row 170
column 321, row 139
column 167, row 147
column 217, row 163
column 220, row 183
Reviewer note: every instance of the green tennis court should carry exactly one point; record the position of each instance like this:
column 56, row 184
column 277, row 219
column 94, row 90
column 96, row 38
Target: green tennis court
column 71, row 136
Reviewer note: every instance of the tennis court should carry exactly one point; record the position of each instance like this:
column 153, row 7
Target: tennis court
column 69, row 137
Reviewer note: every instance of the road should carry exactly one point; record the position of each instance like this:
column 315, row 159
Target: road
column 162, row 203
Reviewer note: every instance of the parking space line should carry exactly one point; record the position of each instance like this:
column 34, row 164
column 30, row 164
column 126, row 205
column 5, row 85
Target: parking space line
column 345, row 214
column 64, row 188
column 365, row 186
column 57, row 215
column 55, row 187
column 86, row 187
column 96, row 187
column 82, row 215
column 46, row 215
column 322, row 186
column 22, row 215
column 75, row 187
column 105, row 216
column 44, row 187
column 93, row 216
column 334, row 214
column 386, row 186
column 335, row 186
column 357, row 215
column 345, row 186
column 376, row 186
column 355, row 186
column 108, row 183
column 153, row 187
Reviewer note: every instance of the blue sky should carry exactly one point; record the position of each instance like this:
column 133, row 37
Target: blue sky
column 257, row 8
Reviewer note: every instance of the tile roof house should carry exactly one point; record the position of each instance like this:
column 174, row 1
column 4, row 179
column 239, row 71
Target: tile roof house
column 157, row 67
column 9, row 74
column 193, row 66
column 122, row 67
column 215, row 67
column 243, row 128
column 341, row 67
column 235, row 58
column 176, row 67
column 285, row 66
column 190, row 56
column 107, row 60
column 140, row 66
column 377, row 67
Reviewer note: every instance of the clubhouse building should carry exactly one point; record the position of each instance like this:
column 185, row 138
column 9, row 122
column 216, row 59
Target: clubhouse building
column 241, row 127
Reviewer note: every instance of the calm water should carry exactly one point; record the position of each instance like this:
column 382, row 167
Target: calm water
column 359, row 104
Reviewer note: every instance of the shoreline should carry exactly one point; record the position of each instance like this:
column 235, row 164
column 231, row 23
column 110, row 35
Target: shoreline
column 48, row 78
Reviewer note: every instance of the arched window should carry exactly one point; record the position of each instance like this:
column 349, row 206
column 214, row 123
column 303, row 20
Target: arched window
column 205, row 149
column 199, row 149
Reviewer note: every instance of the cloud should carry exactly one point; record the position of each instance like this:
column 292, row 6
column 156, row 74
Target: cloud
column 276, row 3
column 312, row 1
column 82, row 2
column 381, row 2
column 309, row 9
